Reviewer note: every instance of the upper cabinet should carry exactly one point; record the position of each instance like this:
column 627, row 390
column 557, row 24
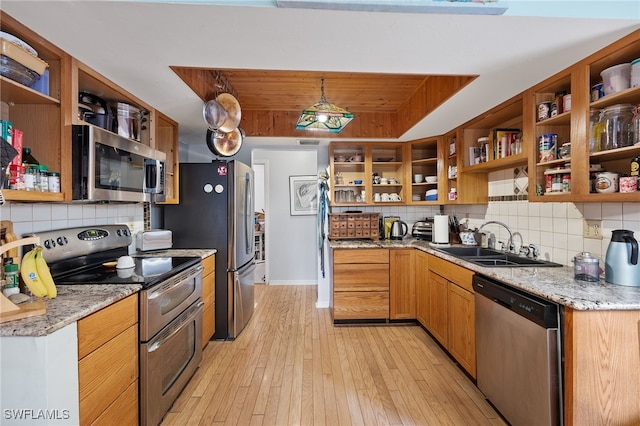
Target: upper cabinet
column 570, row 171
column 46, row 119
column 39, row 115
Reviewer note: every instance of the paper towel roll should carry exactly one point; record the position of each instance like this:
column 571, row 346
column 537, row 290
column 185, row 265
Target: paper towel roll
column 441, row 229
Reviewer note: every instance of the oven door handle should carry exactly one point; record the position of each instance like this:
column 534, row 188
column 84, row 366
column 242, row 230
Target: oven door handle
column 166, row 334
column 175, row 282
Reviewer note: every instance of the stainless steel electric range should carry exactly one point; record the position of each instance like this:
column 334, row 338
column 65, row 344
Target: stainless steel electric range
column 170, row 304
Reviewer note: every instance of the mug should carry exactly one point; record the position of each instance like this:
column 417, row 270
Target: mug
column 385, row 197
column 340, row 158
column 395, row 197
column 417, row 178
column 384, row 181
column 356, row 158
column 377, row 198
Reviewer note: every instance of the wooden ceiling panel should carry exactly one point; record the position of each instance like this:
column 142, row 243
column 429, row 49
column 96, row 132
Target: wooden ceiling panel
column 385, row 105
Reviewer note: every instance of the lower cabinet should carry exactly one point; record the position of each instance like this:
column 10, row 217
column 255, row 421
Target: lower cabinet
column 402, row 284
column 451, row 316
column 421, row 277
column 208, row 298
column 360, row 284
column 108, row 364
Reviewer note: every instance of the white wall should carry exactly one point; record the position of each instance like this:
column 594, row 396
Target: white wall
column 290, row 240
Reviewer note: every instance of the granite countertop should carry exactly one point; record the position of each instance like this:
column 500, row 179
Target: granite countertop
column 77, row 301
column 73, row 303
column 555, row 284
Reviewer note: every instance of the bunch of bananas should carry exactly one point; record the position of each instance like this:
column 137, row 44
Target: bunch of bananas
column 36, row 275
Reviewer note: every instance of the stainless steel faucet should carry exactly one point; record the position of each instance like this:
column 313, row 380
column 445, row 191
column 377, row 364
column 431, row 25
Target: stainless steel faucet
column 495, row 222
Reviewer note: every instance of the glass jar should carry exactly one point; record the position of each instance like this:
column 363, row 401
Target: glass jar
column 617, row 126
column 54, row 182
column 29, row 178
column 43, row 178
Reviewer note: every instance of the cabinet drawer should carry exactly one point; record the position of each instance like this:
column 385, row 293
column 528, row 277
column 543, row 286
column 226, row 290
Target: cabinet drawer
column 104, row 374
column 362, row 256
column 361, row 305
column 123, row 411
column 208, row 324
column 102, row 326
column 351, row 277
column 452, row 272
column 209, row 265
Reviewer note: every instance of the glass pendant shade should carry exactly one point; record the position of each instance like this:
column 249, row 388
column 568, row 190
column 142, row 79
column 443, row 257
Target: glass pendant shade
column 323, row 116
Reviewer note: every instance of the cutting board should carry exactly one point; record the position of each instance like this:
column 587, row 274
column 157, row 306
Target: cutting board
column 9, row 311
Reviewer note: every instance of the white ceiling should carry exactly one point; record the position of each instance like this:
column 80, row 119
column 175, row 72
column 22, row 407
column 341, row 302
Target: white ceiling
column 133, row 44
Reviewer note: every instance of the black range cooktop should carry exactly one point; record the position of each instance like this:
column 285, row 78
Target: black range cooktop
column 148, row 271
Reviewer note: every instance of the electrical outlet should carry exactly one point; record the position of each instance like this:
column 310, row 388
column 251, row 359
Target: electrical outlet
column 592, row 229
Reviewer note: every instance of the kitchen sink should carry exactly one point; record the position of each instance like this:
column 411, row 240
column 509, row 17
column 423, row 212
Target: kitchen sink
column 494, row 259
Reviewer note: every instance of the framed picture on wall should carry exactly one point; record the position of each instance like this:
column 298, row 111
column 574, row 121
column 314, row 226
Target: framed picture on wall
column 303, row 195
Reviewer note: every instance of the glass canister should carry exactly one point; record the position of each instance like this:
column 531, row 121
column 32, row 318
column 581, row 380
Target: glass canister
column 617, row 126
column 586, row 267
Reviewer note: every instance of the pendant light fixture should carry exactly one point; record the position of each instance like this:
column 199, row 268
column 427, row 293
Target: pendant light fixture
column 323, row 116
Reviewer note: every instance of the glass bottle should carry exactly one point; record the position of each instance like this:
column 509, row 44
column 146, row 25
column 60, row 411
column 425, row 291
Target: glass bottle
column 595, row 130
column 636, row 127
column 617, row 126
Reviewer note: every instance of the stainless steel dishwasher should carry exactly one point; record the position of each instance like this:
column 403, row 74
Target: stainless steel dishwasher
column 517, row 344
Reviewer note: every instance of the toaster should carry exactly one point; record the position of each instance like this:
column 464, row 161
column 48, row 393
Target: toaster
column 154, row 239
column 423, row 229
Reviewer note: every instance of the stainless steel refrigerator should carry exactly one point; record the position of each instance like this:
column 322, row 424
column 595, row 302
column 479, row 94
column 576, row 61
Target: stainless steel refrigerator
column 216, row 210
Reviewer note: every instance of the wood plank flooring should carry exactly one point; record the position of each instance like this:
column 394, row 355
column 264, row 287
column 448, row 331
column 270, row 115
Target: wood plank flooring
column 292, row 366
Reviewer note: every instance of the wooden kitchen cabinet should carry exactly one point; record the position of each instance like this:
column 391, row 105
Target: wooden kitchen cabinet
column 40, row 116
column 385, row 159
column 461, row 327
column 360, row 284
column 438, row 289
column 452, row 310
column 426, row 159
column 166, row 140
column 209, row 299
column 46, row 119
column 602, row 367
column 574, row 126
column 402, row 286
column 108, row 364
column 421, row 277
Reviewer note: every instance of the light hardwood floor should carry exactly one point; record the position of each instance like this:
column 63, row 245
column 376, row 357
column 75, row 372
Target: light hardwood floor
column 292, row 366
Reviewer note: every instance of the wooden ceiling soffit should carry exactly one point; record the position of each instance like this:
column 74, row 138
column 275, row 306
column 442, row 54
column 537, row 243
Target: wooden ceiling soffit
column 430, row 95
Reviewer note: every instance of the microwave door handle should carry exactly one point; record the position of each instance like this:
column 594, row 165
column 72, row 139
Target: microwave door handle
column 152, row 175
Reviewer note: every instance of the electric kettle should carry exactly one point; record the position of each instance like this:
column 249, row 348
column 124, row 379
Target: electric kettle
column 398, row 230
column 621, row 263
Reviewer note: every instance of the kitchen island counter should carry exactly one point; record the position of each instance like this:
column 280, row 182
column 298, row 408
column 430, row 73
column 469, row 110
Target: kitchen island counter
column 553, row 283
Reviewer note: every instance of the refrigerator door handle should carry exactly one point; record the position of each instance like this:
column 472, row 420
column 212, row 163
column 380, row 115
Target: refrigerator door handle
column 248, row 215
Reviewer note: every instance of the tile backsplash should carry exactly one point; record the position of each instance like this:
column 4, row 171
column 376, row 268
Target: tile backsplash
column 34, row 217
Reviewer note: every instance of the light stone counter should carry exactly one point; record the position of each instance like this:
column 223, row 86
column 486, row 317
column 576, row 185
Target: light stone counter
column 77, row 301
column 552, row 283
column 73, row 303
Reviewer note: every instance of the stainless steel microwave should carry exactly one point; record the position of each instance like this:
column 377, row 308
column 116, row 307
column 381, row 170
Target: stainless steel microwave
column 109, row 167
